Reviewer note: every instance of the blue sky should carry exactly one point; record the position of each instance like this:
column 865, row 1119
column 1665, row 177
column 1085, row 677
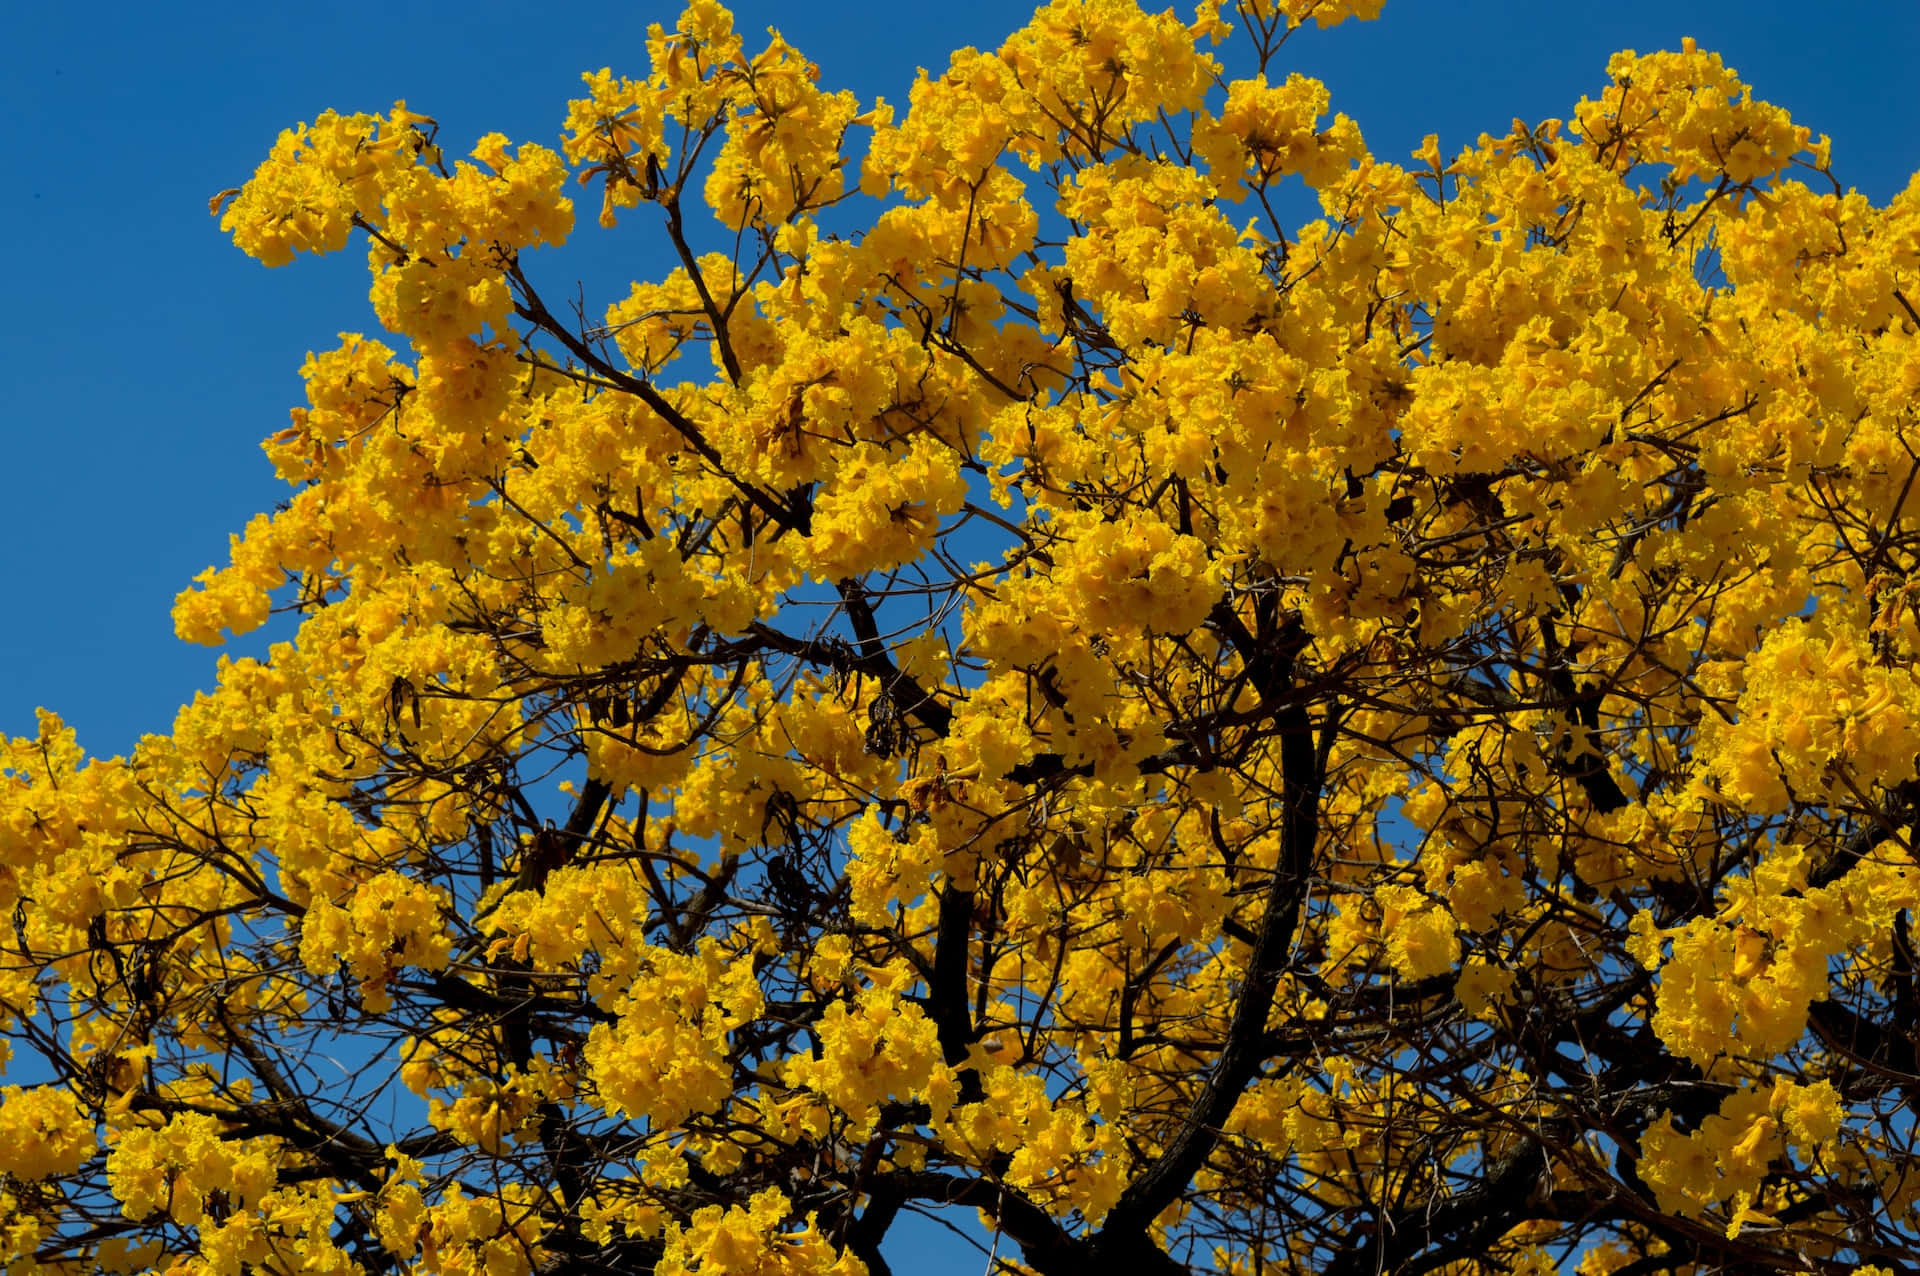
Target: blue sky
column 147, row 357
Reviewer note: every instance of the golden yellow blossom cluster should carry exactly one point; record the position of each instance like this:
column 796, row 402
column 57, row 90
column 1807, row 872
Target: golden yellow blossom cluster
column 1008, row 677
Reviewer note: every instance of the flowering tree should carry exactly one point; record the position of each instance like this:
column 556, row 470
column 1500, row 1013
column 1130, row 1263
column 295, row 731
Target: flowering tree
column 1023, row 681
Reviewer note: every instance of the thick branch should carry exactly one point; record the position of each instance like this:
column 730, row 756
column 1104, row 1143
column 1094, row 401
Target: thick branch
column 1302, row 775
column 1513, row 1189
column 905, row 691
column 947, row 998
column 1589, row 769
column 1046, row 1246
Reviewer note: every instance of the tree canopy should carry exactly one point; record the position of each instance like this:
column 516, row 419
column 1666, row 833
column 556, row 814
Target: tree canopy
column 1094, row 654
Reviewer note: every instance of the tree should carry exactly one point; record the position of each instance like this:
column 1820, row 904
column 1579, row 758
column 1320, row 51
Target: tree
column 1012, row 680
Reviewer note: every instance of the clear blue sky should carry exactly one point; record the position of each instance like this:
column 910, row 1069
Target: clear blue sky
column 145, row 357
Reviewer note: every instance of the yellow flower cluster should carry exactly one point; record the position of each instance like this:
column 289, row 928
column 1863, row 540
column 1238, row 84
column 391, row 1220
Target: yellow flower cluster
column 389, row 922
column 664, row 1059
column 1060, row 1156
column 747, row 1241
column 1126, row 575
column 1743, row 981
column 1816, row 709
column 1690, row 111
column 462, row 1234
column 1325, row 13
column 441, row 240
column 596, row 908
column 873, row 1050
column 1269, row 132
column 883, row 509
column 1155, row 250
column 1026, row 681
column 783, row 150
column 304, row 196
column 174, row 1167
column 1726, row 1159
column 44, row 1132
